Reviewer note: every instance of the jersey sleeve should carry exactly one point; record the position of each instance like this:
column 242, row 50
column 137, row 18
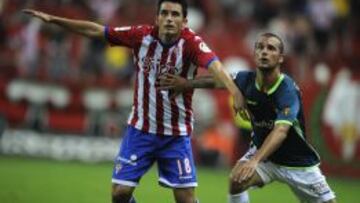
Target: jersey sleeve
column 123, row 36
column 240, row 78
column 201, row 54
column 288, row 105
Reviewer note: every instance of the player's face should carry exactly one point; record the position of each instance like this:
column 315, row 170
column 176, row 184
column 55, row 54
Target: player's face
column 170, row 19
column 267, row 53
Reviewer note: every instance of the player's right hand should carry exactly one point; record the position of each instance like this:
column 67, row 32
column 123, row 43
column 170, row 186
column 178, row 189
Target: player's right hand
column 43, row 16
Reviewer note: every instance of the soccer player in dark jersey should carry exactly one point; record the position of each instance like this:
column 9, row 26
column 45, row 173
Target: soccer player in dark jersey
column 279, row 149
column 160, row 124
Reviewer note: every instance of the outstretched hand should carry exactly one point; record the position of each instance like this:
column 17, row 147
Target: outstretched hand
column 43, row 16
column 174, row 83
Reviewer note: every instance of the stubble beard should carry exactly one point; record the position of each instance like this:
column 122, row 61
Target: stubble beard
column 266, row 70
column 169, row 37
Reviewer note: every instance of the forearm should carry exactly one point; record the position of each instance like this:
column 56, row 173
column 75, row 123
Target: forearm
column 86, row 28
column 271, row 143
column 221, row 77
column 204, row 81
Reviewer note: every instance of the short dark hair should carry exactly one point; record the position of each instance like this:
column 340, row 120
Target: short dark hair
column 183, row 4
column 269, row 34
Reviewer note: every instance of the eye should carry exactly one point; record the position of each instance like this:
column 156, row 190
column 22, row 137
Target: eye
column 163, row 12
column 175, row 14
column 272, row 48
column 259, row 46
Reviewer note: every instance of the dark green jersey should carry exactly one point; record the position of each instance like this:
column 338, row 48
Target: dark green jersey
column 280, row 104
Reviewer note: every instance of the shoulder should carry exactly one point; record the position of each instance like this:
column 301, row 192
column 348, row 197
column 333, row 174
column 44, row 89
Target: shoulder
column 191, row 38
column 144, row 29
column 189, row 34
column 289, row 83
column 243, row 75
column 243, row 78
column 194, row 42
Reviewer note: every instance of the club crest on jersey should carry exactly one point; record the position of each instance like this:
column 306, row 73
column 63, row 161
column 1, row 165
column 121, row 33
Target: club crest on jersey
column 204, row 48
column 286, row 111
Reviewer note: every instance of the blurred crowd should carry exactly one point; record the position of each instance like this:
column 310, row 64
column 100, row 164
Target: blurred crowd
column 325, row 32
column 314, row 30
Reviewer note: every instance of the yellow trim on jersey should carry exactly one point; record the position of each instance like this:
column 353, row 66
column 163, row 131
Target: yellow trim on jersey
column 283, row 122
column 277, row 84
column 257, row 85
column 274, row 87
column 298, row 130
column 240, row 121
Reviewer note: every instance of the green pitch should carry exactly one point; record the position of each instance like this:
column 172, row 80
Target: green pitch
column 24, row 180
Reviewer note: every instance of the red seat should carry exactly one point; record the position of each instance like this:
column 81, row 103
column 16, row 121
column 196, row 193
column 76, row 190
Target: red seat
column 66, row 121
column 15, row 113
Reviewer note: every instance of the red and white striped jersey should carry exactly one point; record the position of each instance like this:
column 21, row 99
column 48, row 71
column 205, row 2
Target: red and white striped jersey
column 153, row 111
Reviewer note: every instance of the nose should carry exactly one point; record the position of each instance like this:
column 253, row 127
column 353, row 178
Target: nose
column 264, row 52
column 169, row 18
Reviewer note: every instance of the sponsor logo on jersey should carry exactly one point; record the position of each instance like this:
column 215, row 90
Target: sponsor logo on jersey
column 150, row 63
column 264, row 124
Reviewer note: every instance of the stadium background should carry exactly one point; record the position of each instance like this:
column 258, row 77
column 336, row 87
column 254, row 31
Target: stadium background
column 66, row 98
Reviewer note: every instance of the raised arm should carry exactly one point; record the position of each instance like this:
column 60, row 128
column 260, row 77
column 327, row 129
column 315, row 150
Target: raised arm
column 86, row 28
column 223, row 77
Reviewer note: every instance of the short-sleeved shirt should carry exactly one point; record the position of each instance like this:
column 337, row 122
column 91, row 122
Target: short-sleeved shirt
column 154, row 111
column 280, row 104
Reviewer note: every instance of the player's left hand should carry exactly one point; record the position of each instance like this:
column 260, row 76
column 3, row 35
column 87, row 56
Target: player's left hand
column 244, row 171
column 43, row 16
column 239, row 102
column 176, row 84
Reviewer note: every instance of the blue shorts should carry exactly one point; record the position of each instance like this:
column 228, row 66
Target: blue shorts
column 140, row 150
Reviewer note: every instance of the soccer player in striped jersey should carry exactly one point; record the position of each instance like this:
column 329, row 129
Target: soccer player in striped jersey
column 160, row 124
column 279, row 149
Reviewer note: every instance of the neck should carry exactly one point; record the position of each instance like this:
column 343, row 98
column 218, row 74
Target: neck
column 168, row 39
column 266, row 78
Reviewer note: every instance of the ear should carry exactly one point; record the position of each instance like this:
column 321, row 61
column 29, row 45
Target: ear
column 184, row 24
column 281, row 60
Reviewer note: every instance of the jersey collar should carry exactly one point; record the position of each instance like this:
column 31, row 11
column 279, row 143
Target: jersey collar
column 156, row 35
column 274, row 87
